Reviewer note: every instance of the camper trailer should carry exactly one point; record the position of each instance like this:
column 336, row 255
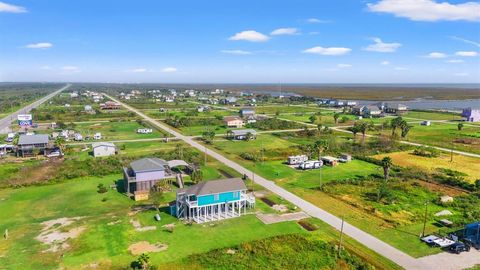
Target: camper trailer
column 310, row 164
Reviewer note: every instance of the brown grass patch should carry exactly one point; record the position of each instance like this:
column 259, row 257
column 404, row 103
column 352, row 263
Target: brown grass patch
column 145, row 247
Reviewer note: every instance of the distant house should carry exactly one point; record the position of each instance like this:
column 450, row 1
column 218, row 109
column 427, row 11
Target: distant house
column 233, row 121
column 103, row 149
column 371, row 111
column 243, row 134
column 425, row 123
column 228, row 100
column 29, row 144
column 87, row 108
column 247, row 112
column 396, row 108
column 110, row 105
column 251, row 119
column 471, row 115
column 295, row 160
column 358, row 109
column 351, row 103
column 97, row 136
column 212, row 201
column 74, row 95
column 340, row 103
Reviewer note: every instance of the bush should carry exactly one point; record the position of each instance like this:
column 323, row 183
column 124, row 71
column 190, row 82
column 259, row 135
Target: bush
column 101, row 188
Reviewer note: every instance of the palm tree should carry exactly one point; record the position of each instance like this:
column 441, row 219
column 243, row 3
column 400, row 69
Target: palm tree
column 405, row 128
column 354, row 130
column 460, row 126
column 386, row 164
column 144, row 261
column 320, row 146
column 335, row 117
column 395, row 123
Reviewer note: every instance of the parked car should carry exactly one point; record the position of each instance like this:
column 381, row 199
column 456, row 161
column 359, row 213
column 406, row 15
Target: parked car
column 459, row 247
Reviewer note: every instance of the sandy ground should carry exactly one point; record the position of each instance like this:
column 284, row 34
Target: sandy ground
column 138, row 227
column 145, row 247
column 274, row 218
column 54, row 234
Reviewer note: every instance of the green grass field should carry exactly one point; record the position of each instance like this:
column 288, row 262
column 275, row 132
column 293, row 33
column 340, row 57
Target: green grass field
column 443, row 134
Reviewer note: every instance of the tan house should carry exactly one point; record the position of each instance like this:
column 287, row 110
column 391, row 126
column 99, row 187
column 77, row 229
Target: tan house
column 233, row 121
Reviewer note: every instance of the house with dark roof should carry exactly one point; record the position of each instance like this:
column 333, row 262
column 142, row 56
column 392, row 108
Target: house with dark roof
column 245, row 112
column 471, row 114
column 31, row 144
column 212, row 201
column 396, row 108
column 143, row 174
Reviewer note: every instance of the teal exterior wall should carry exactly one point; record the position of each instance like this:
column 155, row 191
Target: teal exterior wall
column 222, row 197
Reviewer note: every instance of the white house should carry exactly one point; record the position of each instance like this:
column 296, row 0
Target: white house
column 103, row 149
column 97, row 136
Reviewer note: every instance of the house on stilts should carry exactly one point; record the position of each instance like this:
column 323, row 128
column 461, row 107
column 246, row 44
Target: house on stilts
column 212, row 201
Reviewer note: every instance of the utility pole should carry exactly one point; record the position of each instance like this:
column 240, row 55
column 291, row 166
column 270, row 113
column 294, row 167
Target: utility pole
column 425, row 219
column 341, row 237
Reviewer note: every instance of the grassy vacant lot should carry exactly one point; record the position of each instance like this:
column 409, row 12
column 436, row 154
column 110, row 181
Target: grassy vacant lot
column 117, row 130
column 467, row 165
column 349, row 200
column 443, row 134
column 108, row 232
column 432, row 115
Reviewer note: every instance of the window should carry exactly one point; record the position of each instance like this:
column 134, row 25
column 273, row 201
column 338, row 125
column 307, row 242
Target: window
column 235, row 194
column 216, row 197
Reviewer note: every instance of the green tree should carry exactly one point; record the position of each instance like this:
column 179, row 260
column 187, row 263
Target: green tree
column 143, row 261
column 156, row 197
column 197, row 176
column 460, row 126
column 386, row 164
column 313, row 119
column 320, row 146
column 208, row 136
column 405, row 128
column 394, row 124
column 335, row 117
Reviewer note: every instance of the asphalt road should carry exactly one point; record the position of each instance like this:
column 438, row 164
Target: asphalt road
column 7, row 121
column 440, row 261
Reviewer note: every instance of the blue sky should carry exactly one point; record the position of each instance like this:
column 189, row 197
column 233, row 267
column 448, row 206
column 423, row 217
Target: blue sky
column 262, row 41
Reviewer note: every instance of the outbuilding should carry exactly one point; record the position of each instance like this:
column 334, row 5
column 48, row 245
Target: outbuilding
column 103, row 149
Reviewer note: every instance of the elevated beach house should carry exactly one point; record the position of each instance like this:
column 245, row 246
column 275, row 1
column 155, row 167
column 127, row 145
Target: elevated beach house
column 29, row 145
column 212, row 200
column 233, row 121
column 471, row 114
column 143, row 174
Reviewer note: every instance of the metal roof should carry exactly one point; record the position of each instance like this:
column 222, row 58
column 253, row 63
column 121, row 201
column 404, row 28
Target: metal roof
column 239, row 132
column 176, row 163
column 148, row 164
column 98, row 144
column 33, row 139
column 214, row 187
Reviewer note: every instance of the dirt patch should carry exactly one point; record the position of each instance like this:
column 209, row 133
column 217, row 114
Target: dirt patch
column 145, row 247
column 434, row 187
column 267, row 201
column 55, row 234
column 280, row 208
column 274, row 218
column 42, row 172
column 138, row 227
column 307, row 225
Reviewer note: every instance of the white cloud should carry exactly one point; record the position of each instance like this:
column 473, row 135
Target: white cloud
column 385, row 63
column 139, row 70
column 169, row 69
column 461, row 74
column 250, row 35
column 428, row 10
column 383, row 47
column 41, row 45
column 436, row 55
column 344, row 65
column 237, row 52
column 284, row 31
column 455, row 61
column 328, row 51
column 70, row 68
column 467, row 41
column 315, row 20
column 466, row 53
column 4, row 7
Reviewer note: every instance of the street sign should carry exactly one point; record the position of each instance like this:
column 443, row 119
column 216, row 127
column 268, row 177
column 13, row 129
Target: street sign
column 24, row 120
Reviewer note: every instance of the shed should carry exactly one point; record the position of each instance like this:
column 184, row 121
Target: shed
column 103, row 149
